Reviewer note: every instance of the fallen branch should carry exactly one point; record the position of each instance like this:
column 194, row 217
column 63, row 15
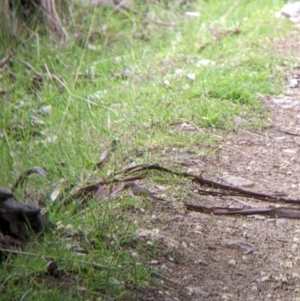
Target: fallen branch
column 219, row 37
column 223, row 190
column 286, row 212
column 86, row 191
column 289, row 133
column 229, row 190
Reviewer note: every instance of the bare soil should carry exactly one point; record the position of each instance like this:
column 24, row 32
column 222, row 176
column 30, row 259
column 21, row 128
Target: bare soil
column 237, row 257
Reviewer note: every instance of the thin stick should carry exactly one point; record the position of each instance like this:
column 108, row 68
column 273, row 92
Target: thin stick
column 18, row 252
column 243, row 203
column 93, row 264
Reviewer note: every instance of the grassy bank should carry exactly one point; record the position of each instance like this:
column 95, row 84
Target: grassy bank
column 130, row 75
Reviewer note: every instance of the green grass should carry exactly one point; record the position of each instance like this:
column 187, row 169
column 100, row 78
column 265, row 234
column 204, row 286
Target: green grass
column 124, row 77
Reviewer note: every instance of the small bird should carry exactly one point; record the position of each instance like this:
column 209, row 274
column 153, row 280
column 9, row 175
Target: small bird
column 137, row 190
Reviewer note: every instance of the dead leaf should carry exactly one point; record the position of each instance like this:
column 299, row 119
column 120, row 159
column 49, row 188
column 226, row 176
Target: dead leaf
column 106, row 154
column 101, row 193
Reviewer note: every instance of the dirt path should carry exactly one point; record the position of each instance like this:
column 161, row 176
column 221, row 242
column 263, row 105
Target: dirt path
column 239, row 258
